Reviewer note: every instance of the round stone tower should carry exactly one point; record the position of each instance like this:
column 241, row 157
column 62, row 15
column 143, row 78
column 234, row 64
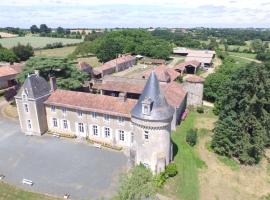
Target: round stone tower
column 151, row 118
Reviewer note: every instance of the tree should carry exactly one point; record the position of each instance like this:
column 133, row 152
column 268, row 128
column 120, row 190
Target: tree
column 67, row 75
column 243, row 128
column 60, row 30
column 23, row 52
column 7, row 55
column 44, row 28
column 136, row 185
column 256, row 45
column 34, row 29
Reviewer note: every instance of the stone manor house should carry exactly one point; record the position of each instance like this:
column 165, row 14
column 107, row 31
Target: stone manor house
column 142, row 126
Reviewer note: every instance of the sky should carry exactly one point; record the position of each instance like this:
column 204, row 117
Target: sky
column 135, row 13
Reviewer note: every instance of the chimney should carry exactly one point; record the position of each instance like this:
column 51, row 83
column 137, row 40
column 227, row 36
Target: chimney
column 36, row 72
column 53, row 83
column 123, row 96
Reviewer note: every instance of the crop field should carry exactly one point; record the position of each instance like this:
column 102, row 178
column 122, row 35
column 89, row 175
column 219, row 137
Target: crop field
column 59, row 52
column 36, row 42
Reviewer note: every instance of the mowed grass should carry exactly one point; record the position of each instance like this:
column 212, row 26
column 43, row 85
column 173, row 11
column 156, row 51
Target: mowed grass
column 92, row 60
column 36, row 42
column 59, row 52
column 245, row 55
column 185, row 185
column 8, row 192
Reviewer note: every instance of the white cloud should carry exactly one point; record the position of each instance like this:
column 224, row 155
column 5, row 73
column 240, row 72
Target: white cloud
column 139, row 13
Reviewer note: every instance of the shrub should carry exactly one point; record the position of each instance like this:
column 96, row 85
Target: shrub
column 200, row 109
column 171, row 170
column 191, row 137
column 159, row 179
column 10, row 94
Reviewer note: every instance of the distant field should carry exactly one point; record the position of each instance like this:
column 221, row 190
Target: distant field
column 36, row 42
column 246, row 55
column 7, row 35
column 59, row 52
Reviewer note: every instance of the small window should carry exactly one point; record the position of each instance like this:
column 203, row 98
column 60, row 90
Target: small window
column 29, row 124
column 81, row 127
column 95, row 130
column 107, row 132
column 53, row 108
column 64, row 111
column 121, row 135
column 55, row 122
column 80, row 114
column 121, row 120
column 23, row 96
column 65, row 124
column 132, row 137
column 146, row 135
column 26, row 108
column 94, row 115
column 106, row 118
column 146, row 109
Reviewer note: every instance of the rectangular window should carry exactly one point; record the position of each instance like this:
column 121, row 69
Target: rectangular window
column 81, row 127
column 132, row 137
column 26, row 108
column 53, row 108
column 146, row 135
column 106, row 118
column 121, row 120
column 121, row 135
column 107, row 132
column 94, row 115
column 79, row 113
column 95, row 130
column 29, row 124
column 55, row 122
column 64, row 111
column 65, row 124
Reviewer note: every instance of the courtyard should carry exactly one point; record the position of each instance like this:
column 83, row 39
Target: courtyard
column 58, row 166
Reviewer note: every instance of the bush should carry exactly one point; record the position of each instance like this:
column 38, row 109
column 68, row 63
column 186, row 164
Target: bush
column 191, row 137
column 159, row 179
column 10, row 94
column 200, row 109
column 171, row 170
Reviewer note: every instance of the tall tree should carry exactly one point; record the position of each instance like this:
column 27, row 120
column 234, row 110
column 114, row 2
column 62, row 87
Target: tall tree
column 67, row 75
column 44, row 28
column 23, row 52
column 7, row 55
column 243, row 128
column 34, row 29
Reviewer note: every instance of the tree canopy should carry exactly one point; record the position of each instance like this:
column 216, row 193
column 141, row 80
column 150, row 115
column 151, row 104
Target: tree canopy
column 134, row 41
column 7, row 55
column 23, row 52
column 243, row 128
column 66, row 73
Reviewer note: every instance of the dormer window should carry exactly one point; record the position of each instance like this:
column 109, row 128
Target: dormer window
column 146, row 106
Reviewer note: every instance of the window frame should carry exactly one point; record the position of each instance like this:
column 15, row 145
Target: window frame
column 107, row 132
column 95, row 130
column 65, row 122
column 81, row 127
column 53, row 108
column 55, row 122
column 26, row 107
column 121, row 135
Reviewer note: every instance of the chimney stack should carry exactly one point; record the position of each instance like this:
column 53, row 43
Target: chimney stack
column 53, row 83
column 123, row 96
column 37, row 72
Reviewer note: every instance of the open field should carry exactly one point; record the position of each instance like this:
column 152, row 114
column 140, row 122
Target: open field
column 8, row 192
column 7, row 35
column 92, row 60
column 245, row 55
column 59, row 52
column 36, row 42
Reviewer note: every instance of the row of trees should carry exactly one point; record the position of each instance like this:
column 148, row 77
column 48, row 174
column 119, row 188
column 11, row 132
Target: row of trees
column 16, row 54
column 135, row 41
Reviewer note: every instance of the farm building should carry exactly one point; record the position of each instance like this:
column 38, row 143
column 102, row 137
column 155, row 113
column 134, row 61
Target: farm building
column 8, row 75
column 189, row 67
column 121, row 63
column 205, row 57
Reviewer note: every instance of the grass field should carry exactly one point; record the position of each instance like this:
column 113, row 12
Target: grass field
column 59, row 52
column 8, row 192
column 245, row 55
column 93, row 61
column 36, row 42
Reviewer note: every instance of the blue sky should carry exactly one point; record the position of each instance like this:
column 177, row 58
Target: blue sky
column 136, row 13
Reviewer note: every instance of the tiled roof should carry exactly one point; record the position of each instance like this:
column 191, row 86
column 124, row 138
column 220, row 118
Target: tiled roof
column 7, row 71
column 182, row 66
column 194, row 79
column 164, row 73
column 112, row 63
column 174, row 92
column 91, row 102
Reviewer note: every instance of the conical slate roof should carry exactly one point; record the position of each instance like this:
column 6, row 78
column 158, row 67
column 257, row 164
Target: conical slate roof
column 35, row 87
column 160, row 109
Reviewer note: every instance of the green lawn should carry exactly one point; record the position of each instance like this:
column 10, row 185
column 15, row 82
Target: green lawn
column 59, row 52
column 185, row 185
column 8, row 192
column 36, row 42
column 245, row 55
